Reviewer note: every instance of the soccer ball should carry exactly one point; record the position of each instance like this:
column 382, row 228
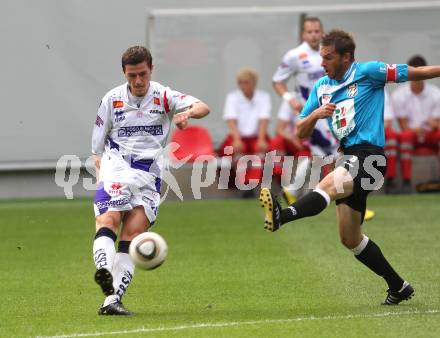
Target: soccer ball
column 148, row 250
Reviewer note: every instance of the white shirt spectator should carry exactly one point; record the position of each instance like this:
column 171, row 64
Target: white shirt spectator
column 417, row 108
column 388, row 113
column 247, row 112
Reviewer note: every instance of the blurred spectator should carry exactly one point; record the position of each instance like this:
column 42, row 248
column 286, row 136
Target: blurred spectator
column 417, row 107
column 247, row 112
column 392, row 137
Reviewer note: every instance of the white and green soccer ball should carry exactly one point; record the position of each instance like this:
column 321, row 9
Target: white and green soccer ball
column 148, row 250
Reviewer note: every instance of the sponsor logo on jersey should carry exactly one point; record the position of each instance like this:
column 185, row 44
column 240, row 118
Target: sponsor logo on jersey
column 112, row 203
column 156, row 111
column 115, row 189
column 306, row 64
column 156, row 92
column 118, row 104
column 340, row 119
column 315, row 75
column 352, row 90
column 181, row 97
column 119, row 116
column 149, row 201
column 156, row 100
column 351, row 160
column 325, row 98
column 140, row 131
column 99, row 122
column 284, row 65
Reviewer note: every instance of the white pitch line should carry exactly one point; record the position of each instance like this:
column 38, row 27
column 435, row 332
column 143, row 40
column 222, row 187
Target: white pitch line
column 253, row 322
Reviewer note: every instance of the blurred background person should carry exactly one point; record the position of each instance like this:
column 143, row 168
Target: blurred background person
column 247, row 113
column 417, row 107
column 392, row 139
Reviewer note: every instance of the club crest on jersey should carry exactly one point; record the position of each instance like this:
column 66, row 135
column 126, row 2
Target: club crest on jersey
column 325, row 98
column 156, row 100
column 118, row 104
column 119, row 117
column 157, row 111
column 352, row 90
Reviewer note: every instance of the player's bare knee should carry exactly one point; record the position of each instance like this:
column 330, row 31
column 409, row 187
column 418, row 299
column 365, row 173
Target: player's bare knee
column 109, row 221
column 132, row 228
column 348, row 242
column 327, row 185
column 128, row 234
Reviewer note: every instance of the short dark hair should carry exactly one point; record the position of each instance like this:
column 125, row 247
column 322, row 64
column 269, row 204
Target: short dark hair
column 311, row 19
column 342, row 41
column 417, row 61
column 135, row 55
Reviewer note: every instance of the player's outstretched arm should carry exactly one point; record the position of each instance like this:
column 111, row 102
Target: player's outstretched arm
column 196, row 111
column 304, row 127
column 423, row 73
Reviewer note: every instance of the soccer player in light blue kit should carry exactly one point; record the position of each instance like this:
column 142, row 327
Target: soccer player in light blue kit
column 351, row 99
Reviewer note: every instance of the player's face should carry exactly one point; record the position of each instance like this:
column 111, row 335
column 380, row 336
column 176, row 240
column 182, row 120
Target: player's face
column 312, row 33
column 247, row 86
column 138, row 78
column 332, row 62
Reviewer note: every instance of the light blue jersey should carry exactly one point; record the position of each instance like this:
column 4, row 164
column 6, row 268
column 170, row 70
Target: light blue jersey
column 359, row 99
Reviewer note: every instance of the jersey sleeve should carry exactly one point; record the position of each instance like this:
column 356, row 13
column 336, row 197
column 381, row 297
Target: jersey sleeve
column 176, row 102
column 103, row 124
column 230, row 109
column 380, row 73
column 286, row 69
column 311, row 104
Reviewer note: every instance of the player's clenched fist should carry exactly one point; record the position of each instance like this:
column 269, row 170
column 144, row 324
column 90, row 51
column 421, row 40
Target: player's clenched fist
column 325, row 111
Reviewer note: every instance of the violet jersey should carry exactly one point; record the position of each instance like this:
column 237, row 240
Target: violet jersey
column 130, row 133
column 138, row 130
column 304, row 63
column 359, row 98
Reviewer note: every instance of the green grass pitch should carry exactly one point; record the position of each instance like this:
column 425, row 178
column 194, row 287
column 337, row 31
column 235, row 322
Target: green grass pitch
column 224, row 276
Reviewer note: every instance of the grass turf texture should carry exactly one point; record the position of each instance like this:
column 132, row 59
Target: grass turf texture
column 224, row 269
